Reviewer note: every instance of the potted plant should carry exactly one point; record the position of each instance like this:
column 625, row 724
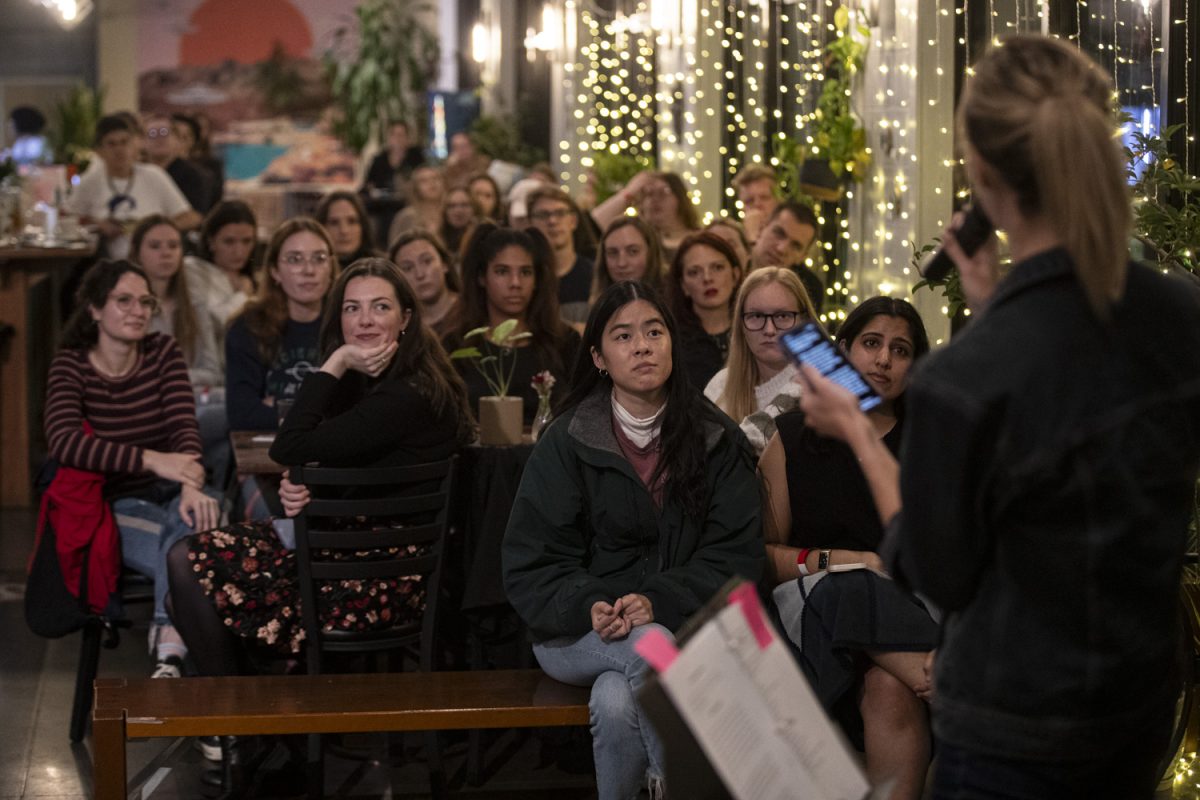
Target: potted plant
column 838, row 148
column 500, row 416
column 385, row 78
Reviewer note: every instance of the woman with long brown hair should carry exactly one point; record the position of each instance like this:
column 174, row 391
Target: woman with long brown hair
column 272, row 344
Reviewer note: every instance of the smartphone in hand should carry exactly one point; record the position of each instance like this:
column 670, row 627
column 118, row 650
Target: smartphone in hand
column 808, row 344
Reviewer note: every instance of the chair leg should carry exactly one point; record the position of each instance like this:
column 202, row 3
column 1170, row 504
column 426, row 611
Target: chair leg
column 437, row 773
column 315, row 768
column 89, row 664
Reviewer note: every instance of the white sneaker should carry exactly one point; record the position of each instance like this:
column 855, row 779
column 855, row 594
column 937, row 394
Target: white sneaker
column 209, row 747
column 169, row 667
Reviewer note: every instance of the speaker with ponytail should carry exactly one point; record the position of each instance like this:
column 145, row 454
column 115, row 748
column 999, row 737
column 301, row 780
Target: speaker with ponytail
column 1040, row 113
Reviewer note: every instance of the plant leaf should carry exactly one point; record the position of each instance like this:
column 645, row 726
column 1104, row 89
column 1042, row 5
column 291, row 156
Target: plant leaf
column 466, row 352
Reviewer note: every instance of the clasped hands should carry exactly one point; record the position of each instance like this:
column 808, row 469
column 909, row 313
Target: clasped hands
column 615, row 620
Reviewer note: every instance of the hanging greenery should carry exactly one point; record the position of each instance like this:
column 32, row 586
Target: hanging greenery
column 386, row 77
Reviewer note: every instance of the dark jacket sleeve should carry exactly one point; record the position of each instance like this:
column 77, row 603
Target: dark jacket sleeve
column 545, row 544
column 380, row 422
column 730, row 538
column 246, row 383
column 939, row 544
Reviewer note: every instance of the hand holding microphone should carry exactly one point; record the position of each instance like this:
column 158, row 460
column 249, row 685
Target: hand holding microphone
column 969, row 231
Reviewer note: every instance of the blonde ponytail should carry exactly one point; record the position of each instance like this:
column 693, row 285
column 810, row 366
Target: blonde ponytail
column 1039, row 111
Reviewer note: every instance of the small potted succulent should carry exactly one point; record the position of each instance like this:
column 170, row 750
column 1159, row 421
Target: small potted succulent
column 500, row 416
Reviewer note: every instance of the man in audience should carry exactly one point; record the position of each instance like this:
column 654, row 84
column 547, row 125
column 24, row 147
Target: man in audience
column 117, row 191
column 785, row 241
column 554, row 213
column 756, row 186
column 165, row 148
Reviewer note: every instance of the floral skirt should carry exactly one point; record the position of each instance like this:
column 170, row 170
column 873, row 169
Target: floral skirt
column 253, row 582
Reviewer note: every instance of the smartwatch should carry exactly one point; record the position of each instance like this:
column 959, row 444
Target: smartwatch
column 823, row 560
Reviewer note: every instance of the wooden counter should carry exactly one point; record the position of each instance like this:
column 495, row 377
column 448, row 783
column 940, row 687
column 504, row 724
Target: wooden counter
column 30, row 281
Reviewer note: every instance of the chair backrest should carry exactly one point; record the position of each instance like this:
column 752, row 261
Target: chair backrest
column 373, row 524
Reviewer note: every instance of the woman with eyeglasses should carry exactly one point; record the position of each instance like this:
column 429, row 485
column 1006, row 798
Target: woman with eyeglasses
column 862, row 641
column 121, row 425
column 272, row 344
column 701, row 289
column 758, row 383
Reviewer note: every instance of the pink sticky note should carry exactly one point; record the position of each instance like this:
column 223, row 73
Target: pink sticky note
column 659, row 651
column 746, row 597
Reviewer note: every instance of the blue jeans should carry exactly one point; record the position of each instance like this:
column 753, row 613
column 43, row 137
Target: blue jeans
column 624, row 744
column 148, row 528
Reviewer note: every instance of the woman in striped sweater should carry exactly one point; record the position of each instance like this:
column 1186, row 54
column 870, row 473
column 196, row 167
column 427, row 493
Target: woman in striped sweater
column 119, row 402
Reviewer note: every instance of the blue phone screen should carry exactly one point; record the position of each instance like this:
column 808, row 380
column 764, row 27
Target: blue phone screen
column 808, row 344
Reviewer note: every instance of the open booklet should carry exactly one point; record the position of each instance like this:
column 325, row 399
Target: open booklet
column 736, row 689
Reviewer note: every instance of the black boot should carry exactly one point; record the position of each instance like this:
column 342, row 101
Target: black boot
column 240, row 757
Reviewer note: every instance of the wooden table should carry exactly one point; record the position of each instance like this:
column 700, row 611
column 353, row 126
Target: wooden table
column 251, row 453
column 30, row 280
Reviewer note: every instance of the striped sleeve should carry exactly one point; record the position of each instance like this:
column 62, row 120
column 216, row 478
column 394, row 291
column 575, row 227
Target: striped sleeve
column 69, row 445
column 178, row 399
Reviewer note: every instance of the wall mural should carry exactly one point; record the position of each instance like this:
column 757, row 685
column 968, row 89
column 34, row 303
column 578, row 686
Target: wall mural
column 253, row 72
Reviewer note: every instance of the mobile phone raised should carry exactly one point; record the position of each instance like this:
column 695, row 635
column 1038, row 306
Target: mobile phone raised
column 808, row 344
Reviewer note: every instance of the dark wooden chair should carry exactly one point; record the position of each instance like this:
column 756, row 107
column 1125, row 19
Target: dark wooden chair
column 400, row 515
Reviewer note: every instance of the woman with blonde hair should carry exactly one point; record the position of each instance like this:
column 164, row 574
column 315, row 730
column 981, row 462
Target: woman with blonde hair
column 758, row 383
column 1050, row 455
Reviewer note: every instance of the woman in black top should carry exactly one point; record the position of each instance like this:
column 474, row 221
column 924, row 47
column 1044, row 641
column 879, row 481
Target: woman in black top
column 508, row 274
column 1050, row 455
column 702, row 289
column 345, row 218
column 386, row 395
column 862, row 641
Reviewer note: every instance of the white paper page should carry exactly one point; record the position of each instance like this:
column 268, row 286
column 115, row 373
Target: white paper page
column 730, row 720
column 797, row 714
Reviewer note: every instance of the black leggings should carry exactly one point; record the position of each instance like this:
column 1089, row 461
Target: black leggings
column 214, row 649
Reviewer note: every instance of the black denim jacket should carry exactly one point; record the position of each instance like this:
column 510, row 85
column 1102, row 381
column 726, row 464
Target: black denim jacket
column 1048, row 466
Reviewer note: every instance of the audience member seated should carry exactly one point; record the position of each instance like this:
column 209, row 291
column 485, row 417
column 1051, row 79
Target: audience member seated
column 392, row 166
column 157, row 247
column 701, row 290
column 785, row 241
column 345, row 219
column 198, row 151
column 508, row 274
column 426, row 266
column 119, row 403
column 117, row 190
column 273, row 343
column 637, row 504
column 224, row 266
column 734, row 235
column 553, row 212
column 237, row 587
column 485, row 195
column 464, row 160
column 862, row 641
column 424, row 210
column 662, row 200
column 517, row 208
column 757, row 187
column 629, row 251
column 165, row 149
column 458, row 215
column 758, row 382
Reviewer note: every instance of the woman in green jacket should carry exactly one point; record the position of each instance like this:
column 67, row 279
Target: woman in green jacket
column 639, row 502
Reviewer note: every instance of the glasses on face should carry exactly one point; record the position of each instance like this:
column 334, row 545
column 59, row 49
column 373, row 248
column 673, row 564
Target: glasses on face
column 782, row 320
column 546, row 216
column 295, row 258
column 157, row 133
column 126, row 303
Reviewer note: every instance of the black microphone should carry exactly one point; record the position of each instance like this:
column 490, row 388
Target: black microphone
column 973, row 232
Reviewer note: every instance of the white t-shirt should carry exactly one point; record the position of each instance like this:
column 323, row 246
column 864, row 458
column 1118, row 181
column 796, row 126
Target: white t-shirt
column 149, row 190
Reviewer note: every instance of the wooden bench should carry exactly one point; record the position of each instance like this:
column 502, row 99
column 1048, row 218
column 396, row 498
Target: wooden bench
column 290, row 704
